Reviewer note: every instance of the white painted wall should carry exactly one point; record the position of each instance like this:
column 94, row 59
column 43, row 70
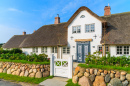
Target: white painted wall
column 89, row 19
column 49, row 52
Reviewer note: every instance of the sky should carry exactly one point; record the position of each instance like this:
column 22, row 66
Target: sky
column 17, row 16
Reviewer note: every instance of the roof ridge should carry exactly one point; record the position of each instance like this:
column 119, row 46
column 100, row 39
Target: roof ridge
column 117, row 14
column 55, row 24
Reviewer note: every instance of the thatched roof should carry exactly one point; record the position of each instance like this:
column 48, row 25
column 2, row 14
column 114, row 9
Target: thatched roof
column 118, row 29
column 47, row 35
column 15, row 41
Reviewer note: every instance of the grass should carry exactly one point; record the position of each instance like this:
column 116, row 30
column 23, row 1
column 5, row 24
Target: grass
column 23, row 79
column 70, row 83
column 23, row 61
column 106, row 67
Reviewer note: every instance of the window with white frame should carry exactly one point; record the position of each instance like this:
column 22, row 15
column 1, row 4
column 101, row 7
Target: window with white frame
column 44, row 50
column 90, row 28
column 54, row 49
column 76, row 29
column 35, row 49
column 66, row 50
column 122, row 50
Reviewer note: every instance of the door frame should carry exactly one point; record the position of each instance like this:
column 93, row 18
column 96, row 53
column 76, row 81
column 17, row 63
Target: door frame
column 82, row 43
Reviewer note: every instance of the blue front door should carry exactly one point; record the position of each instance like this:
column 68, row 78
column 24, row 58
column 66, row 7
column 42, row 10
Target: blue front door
column 82, row 50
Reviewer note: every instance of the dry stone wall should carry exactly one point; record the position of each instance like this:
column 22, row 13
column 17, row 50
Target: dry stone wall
column 98, row 77
column 27, row 70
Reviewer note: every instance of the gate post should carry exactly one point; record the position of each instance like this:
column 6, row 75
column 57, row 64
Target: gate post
column 52, row 65
column 70, row 67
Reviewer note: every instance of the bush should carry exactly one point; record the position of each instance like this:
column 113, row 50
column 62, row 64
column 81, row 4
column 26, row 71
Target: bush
column 15, row 50
column 107, row 60
column 31, row 58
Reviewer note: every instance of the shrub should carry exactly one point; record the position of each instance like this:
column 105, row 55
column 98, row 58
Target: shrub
column 15, row 50
column 107, row 60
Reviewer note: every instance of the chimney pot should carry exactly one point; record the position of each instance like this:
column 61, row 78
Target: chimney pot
column 24, row 33
column 107, row 11
column 57, row 19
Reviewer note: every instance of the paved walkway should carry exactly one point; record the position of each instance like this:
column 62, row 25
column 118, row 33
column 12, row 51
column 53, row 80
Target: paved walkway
column 56, row 81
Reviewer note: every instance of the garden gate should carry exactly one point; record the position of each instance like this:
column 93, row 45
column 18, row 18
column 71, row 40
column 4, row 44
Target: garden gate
column 61, row 67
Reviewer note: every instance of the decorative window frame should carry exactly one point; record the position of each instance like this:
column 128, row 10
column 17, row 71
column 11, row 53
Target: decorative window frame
column 43, row 49
column 66, row 50
column 90, row 28
column 76, row 29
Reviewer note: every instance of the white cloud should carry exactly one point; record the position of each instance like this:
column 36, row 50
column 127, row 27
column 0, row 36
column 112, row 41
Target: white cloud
column 14, row 10
column 7, row 32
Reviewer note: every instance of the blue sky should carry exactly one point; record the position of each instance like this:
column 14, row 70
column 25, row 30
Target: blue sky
column 17, row 16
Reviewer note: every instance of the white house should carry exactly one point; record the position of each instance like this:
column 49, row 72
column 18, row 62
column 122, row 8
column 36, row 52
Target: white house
column 85, row 32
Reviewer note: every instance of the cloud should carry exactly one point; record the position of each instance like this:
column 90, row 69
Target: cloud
column 7, row 32
column 14, row 10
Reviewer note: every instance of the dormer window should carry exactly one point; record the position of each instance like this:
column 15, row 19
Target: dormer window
column 90, row 28
column 76, row 29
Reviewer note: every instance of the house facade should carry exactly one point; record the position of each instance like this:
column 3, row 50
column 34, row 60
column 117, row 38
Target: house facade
column 84, row 33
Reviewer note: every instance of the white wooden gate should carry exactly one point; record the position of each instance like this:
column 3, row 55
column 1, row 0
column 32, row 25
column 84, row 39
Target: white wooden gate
column 61, row 67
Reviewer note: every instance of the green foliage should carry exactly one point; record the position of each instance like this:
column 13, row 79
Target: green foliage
column 95, row 59
column 31, row 58
column 23, row 79
column 15, row 50
column 70, row 83
column 24, row 61
column 105, row 67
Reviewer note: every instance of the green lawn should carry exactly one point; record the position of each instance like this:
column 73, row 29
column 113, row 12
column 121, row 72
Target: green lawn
column 70, row 83
column 106, row 67
column 23, row 79
column 23, row 61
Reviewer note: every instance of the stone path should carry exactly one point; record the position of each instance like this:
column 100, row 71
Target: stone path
column 56, row 81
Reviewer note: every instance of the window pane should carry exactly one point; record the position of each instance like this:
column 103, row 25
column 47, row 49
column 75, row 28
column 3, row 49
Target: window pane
column 36, row 50
column 119, row 49
column 52, row 49
column 55, row 49
column 68, row 50
column 92, row 28
column 126, row 49
column 78, row 29
column 64, row 50
column 33, row 49
column 74, row 29
column 87, row 28
column 45, row 49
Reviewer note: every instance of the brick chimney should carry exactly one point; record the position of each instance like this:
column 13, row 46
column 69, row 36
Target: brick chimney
column 57, row 19
column 24, row 33
column 107, row 10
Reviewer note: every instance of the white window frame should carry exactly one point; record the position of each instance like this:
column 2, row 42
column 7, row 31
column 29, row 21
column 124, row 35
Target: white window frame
column 54, row 49
column 76, row 28
column 35, row 49
column 66, row 50
column 89, row 28
column 44, row 50
column 123, row 51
